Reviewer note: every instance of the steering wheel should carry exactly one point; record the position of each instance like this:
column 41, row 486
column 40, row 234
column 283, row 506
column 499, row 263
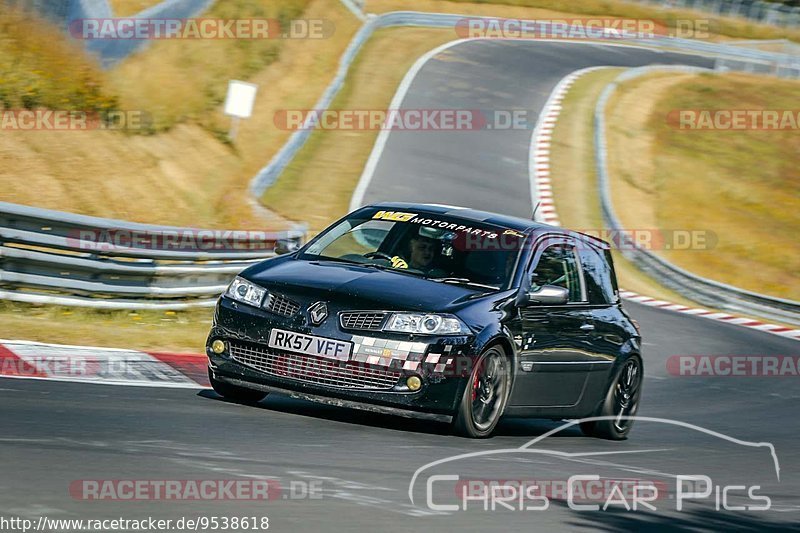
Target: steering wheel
column 381, row 255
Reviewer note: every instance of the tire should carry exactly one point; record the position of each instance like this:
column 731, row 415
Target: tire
column 622, row 399
column 485, row 395
column 232, row 392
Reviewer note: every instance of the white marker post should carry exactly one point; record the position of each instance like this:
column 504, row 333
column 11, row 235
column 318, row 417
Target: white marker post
column 239, row 103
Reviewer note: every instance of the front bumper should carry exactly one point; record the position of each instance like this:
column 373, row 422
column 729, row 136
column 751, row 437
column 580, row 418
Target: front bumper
column 338, row 402
column 369, row 382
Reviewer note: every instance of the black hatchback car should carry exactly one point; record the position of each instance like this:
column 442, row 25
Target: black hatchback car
column 439, row 312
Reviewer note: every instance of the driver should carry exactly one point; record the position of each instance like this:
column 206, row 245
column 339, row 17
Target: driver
column 422, row 253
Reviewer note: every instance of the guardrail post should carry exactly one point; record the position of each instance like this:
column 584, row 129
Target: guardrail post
column 794, row 19
column 734, row 9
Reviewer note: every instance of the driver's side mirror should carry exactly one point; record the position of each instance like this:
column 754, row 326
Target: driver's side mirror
column 547, row 295
column 286, row 246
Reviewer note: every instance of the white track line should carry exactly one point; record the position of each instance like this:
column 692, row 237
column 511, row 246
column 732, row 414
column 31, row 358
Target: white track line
column 539, row 155
column 357, row 200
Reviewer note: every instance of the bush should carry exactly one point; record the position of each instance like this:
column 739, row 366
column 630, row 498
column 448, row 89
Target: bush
column 41, row 67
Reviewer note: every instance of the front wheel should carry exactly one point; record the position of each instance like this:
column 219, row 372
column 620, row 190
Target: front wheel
column 621, row 403
column 485, row 395
column 235, row 393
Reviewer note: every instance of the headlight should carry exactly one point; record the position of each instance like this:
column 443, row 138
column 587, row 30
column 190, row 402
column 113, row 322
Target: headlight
column 243, row 291
column 425, row 324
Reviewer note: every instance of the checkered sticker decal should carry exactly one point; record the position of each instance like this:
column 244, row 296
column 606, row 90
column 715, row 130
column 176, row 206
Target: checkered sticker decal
column 384, row 352
column 398, row 355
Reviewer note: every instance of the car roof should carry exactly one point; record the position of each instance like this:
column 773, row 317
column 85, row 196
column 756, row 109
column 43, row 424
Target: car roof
column 488, row 217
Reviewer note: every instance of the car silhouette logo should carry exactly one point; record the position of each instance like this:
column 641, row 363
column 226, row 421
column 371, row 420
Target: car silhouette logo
column 318, row 312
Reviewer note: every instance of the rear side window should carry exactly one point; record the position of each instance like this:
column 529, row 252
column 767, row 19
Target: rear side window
column 598, row 273
column 558, row 266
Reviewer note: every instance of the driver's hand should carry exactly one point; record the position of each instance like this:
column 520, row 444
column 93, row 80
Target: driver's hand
column 399, row 262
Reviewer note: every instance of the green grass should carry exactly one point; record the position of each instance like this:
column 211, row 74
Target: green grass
column 183, row 331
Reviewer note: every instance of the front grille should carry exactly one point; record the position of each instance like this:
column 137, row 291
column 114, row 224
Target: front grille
column 314, row 370
column 362, row 320
column 281, row 305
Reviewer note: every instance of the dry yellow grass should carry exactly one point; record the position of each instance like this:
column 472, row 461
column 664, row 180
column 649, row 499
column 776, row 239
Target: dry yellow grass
column 741, row 186
column 126, row 8
column 185, row 176
column 186, row 80
column 633, row 174
column 40, row 67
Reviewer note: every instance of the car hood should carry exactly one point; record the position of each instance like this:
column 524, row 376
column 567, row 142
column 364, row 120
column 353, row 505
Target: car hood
column 361, row 287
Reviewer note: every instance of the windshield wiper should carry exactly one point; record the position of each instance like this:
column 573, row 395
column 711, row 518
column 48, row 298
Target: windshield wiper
column 464, row 281
column 389, row 268
column 319, row 258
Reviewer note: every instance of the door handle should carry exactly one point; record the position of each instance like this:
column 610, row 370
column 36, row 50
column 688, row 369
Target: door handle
column 587, row 327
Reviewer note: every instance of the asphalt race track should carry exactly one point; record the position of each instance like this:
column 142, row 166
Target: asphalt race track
column 487, row 169
column 361, row 464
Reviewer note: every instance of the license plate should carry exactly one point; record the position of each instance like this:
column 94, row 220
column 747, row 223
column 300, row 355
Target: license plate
column 310, row 345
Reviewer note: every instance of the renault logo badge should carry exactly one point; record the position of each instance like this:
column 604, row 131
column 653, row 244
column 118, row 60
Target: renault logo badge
column 318, row 312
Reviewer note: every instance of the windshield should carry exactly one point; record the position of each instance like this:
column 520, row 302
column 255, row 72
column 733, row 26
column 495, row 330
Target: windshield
column 436, row 247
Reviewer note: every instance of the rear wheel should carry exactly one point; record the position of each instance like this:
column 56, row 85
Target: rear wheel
column 485, row 395
column 235, row 393
column 621, row 401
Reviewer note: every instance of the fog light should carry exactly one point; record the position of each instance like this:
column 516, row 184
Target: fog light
column 218, row 346
column 414, row 383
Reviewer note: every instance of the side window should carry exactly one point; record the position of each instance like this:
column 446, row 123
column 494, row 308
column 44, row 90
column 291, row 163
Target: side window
column 598, row 274
column 558, row 266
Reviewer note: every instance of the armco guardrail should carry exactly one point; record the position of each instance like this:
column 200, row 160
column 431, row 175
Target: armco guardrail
column 736, row 57
column 706, row 291
column 53, row 257
column 112, row 52
column 773, row 13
